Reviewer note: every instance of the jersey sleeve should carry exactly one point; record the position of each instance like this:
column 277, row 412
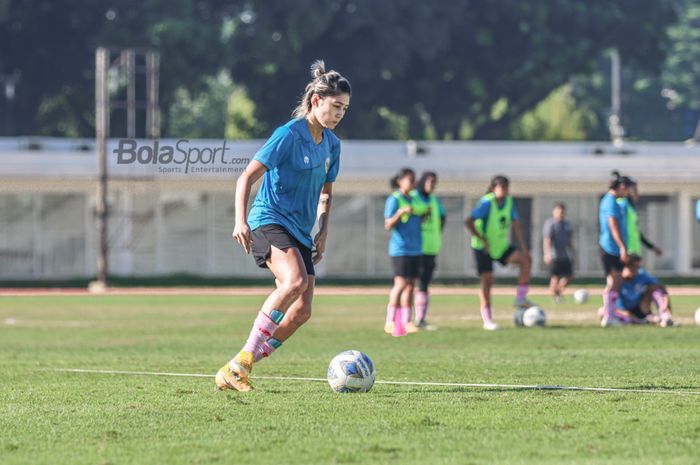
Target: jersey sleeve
column 441, row 207
column 481, row 211
column 335, row 163
column 647, row 279
column 391, row 206
column 609, row 207
column 547, row 228
column 514, row 213
column 276, row 148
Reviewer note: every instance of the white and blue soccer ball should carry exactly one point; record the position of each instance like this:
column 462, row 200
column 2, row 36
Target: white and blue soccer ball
column 351, row 371
column 534, row 316
column 581, row 296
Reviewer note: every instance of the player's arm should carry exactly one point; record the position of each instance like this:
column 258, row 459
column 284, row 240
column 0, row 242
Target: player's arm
column 324, row 211
column 547, row 244
column 650, row 245
column 393, row 220
column 241, row 231
column 617, row 237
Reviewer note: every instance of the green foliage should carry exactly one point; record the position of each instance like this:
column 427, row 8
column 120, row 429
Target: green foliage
column 241, row 122
column 682, row 70
column 50, row 417
column 204, row 114
column 556, row 118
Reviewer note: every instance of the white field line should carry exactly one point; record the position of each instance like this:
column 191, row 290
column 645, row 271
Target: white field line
column 535, row 387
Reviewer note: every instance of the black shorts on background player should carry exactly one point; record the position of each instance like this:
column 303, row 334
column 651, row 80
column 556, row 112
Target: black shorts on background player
column 561, row 267
column 610, row 262
column 484, row 262
column 268, row 235
column 406, row 266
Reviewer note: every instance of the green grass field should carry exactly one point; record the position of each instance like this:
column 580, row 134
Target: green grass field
column 50, row 417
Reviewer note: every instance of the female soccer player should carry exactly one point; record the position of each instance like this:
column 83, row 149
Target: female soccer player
column 490, row 224
column 635, row 237
column 613, row 246
column 637, row 292
column 431, row 230
column 402, row 216
column 558, row 248
column 299, row 164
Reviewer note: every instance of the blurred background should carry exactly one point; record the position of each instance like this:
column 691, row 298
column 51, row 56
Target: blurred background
column 553, row 94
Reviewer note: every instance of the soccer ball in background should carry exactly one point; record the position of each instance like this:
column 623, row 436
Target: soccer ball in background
column 581, row 296
column 534, row 316
column 697, row 316
column 351, row 371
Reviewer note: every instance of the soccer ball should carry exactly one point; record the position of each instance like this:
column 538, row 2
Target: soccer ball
column 351, row 371
column 697, row 316
column 581, row 296
column 534, row 316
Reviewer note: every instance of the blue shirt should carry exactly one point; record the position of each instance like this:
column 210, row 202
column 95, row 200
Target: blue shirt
column 632, row 290
column 297, row 168
column 481, row 211
column 610, row 208
column 406, row 238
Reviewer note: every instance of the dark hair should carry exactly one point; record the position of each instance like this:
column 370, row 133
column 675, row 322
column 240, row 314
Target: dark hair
column 634, row 259
column 618, row 180
column 420, row 185
column 324, row 84
column 403, row 172
column 561, row 205
column 498, row 180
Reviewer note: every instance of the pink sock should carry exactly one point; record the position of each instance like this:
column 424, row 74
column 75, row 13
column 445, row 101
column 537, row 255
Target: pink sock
column 266, row 349
column 660, row 300
column 421, row 301
column 406, row 314
column 609, row 301
column 390, row 313
column 263, row 328
column 486, row 313
column 521, row 293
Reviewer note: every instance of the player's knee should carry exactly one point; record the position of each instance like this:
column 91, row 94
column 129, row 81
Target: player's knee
column 297, row 285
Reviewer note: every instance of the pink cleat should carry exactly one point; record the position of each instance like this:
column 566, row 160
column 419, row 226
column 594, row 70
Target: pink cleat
column 399, row 327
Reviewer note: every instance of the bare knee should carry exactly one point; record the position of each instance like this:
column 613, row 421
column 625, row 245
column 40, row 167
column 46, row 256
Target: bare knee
column 301, row 315
column 296, row 285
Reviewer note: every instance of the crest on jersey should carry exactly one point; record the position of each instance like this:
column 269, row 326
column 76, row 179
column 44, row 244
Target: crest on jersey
column 306, row 159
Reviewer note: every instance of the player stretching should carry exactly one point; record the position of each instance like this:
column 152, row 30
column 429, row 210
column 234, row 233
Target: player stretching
column 490, row 224
column 637, row 292
column 431, row 230
column 558, row 248
column 298, row 163
column 402, row 216
column 613, row 246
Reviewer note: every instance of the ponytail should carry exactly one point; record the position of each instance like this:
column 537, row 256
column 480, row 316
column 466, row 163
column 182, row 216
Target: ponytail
column 324, row 84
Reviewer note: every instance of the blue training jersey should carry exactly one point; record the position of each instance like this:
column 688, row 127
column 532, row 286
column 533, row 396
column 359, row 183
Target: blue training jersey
column 297, row 168
column 610, row 208
column 633, row 289
column 406, row 239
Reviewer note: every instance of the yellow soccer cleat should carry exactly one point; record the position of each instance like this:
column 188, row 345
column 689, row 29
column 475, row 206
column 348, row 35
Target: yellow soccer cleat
column 389, row 328
column 235, row 374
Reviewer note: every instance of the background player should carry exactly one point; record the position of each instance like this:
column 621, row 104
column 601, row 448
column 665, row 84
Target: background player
column 431, row 229
column 490, row 224
column 635, row 237
column 299, row 164
column 402, row 216
column 612, row 241
column 558, row 248
column 637, row 292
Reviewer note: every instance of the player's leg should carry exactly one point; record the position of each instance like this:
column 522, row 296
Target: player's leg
column 422, row 300
column 554, row 287
column 486, row 283
column 394, row 305
column 659, row 295
column 612, row 265
column 288, row 268
column 524, row 263
column 405, row 301
column 566, row 271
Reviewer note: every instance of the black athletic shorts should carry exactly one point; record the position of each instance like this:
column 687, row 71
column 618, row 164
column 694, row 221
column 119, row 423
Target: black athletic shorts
column 611, row 262
column 484, row 262
column 406, row 267
column 561, row 267
column 268, row 235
